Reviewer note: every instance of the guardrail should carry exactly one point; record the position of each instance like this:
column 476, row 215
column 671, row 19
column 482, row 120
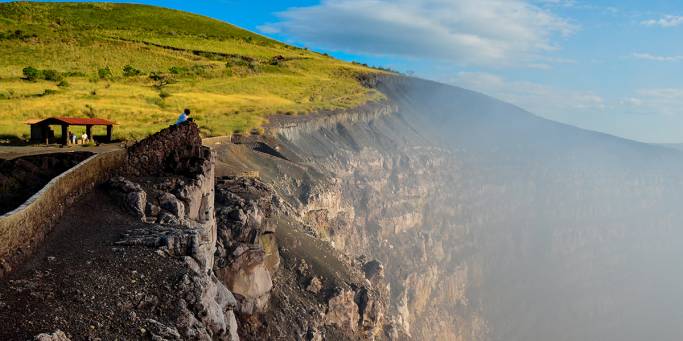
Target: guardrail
column 22, row 229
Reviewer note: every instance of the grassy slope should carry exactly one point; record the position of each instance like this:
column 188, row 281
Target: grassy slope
column 229, row 81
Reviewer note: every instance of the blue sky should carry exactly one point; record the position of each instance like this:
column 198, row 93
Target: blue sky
column 611, row 66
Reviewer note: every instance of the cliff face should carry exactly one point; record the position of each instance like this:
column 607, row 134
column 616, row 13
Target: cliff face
column 374, row 187
column 387, row 195
column 490, row 223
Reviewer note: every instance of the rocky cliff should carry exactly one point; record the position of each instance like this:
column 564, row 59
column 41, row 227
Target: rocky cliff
column 376, row 189
column 478, row 211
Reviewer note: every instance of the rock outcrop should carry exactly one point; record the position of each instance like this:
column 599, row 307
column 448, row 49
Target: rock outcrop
column 247, row 254
column 176, row 200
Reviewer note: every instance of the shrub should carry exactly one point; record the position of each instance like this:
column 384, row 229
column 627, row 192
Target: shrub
column 52, row 75
column 160, row 79
column 164, row 94
column 31, row 73
column 177, row 70
column 48, row 92
column 74, row 74
column 130, row 71
column 63, row 84
column 105, row 73
column 17, row 35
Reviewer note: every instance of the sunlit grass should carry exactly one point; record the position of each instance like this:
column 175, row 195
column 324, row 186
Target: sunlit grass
column 228, row 78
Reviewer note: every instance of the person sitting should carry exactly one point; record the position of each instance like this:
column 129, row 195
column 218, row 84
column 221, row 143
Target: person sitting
column 73, row 137
column 183, row 117
column 84, row 137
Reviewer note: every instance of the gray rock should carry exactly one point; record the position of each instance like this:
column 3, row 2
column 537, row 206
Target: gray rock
column 135, row 202
column 152, row 210
column 129, row 194
column 342, row 311
column 166, row 218
column 160, row 332
column 58, row 335
column 170, row 203
column 314, row 285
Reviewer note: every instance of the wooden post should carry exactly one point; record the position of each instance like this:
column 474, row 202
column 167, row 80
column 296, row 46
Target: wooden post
column 88, row 131
column 109, row 130
column 65, row 134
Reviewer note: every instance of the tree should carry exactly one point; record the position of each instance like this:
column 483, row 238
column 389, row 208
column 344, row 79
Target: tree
column 105, row 73
column 31, row 73
column 130, row 71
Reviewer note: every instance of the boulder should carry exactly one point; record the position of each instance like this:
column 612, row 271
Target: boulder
column 374, row 271
column 159, row 331
column 342, row 311
column 371, row 310
column 248, row 275
column 166, row 218
column 56, row 336
column 315, row 285
column 152, row 210
column 170, row 203
column 129, row 194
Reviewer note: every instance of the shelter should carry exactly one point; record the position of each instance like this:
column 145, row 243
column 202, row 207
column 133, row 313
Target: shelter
column 40, row 129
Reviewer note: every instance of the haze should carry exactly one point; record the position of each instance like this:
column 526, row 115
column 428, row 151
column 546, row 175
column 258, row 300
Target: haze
column 529, row 174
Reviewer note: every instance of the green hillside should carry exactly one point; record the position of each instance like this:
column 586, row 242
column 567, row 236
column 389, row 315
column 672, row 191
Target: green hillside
column 141, row 65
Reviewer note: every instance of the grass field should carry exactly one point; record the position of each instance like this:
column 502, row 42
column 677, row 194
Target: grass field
column 232, row 79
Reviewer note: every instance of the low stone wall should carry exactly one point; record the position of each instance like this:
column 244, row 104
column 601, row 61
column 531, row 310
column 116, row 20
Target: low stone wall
column 150, row 156
column 22, row 229
column 216, row 140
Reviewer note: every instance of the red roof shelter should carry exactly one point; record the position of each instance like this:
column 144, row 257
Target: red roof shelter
column 40, row 130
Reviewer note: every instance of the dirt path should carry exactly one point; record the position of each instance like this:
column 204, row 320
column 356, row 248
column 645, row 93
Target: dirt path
column 11, row 152
column 81, row 284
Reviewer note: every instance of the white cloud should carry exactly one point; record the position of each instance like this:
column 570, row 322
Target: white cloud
column 655, row 101
column 541, row 99
column 472, row 32
column 564, row 104
column 656, row 58
column 665, row 21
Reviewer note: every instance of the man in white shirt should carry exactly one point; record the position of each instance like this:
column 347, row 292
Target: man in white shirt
column 183, row 117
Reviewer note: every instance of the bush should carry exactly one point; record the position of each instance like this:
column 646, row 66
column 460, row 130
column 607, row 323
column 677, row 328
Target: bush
column 164, row 94
column 52, row 75
column 48, row 92
column 31, row 74
column 63, row 84
column 105, row 73
column 160, row 79
column 17, row 35
column 74, row 74
column 130, row 71
column 177, row 70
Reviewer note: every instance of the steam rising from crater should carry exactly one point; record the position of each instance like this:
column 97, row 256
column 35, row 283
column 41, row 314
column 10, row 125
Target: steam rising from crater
column 576, row 235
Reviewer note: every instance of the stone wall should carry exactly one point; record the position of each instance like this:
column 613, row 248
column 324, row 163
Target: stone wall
column 170, row 146
column 22, row 229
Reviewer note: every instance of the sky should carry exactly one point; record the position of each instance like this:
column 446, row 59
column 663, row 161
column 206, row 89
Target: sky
column 611, row 66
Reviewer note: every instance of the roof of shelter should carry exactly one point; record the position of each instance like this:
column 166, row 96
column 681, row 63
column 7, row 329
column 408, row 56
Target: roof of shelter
column 73, row 121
